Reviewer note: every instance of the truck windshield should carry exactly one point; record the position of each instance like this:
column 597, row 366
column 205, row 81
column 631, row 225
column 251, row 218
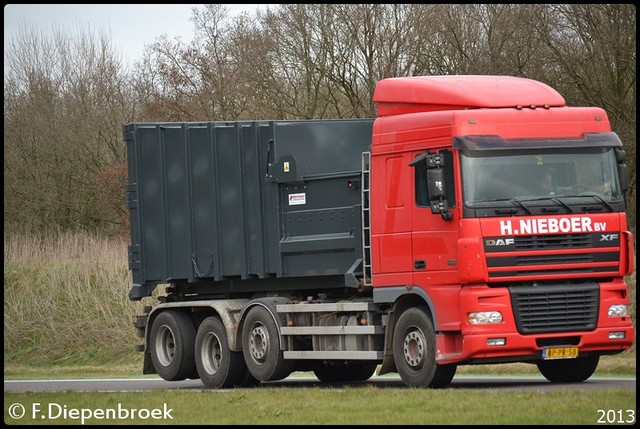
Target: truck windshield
column 521, row 175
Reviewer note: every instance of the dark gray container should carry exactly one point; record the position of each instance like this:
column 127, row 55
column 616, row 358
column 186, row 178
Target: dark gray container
column 234, row 207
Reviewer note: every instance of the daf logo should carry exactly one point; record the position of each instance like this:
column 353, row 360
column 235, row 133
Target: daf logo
column 499, row 242
column 608, row 237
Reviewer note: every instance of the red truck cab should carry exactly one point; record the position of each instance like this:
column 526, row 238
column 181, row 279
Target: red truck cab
column 503, row 209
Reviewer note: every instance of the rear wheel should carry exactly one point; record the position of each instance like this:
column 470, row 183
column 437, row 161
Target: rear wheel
column 261, row 346
column 218, row 366
column 568, row 370
column 172, row 342
column 414, row 351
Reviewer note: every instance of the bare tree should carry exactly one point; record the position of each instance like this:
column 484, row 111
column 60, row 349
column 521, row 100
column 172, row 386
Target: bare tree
column 203, row 80
column 592, row 51
column 67, row 96
column 65, row 102
column 324, row 60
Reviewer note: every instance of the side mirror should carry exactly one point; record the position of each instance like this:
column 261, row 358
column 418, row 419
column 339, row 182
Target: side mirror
column 438, row 192
column 623, row 172
column 435, row 184
column 623, row 175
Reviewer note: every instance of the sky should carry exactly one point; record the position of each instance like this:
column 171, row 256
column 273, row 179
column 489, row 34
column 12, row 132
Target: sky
column 131, row 26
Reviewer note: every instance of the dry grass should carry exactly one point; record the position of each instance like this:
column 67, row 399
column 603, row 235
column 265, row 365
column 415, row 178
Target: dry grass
column 65, row 300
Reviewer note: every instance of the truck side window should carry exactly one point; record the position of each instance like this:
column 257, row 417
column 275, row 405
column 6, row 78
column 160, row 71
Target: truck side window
column 422, row 192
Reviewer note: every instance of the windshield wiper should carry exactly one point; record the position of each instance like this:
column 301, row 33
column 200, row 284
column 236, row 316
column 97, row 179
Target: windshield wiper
column 555, row 199
column 566, row 206
column 599, row 198
column 519, row 202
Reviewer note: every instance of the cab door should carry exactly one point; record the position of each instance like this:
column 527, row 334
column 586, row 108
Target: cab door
column 391, row 209
column 434, row 233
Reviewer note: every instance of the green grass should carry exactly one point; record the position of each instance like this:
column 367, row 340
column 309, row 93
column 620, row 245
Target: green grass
column 366, row 405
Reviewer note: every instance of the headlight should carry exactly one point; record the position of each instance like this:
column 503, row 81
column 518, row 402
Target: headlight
column 484, row 317
column 618, row 310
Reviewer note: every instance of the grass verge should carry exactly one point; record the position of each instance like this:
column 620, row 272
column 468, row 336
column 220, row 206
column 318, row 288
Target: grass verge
column 319, row 406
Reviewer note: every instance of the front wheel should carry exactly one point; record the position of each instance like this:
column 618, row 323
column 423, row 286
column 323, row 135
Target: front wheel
column 568, row 370
column 414, row 351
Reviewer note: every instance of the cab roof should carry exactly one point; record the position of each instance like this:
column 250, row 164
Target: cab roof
column 413, row 94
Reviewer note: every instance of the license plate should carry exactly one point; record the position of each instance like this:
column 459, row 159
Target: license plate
column 560, row 353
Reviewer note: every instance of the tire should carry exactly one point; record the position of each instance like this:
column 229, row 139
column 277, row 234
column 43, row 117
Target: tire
column 341, row 373
column 443, row 376
column 261, row 346
column 568, row 370
column 247, row 379
column 414, row 351
column 218, row 366
column 172, row 342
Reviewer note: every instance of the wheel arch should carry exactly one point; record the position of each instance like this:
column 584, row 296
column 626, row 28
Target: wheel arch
column 402, row 299
column 270, row 305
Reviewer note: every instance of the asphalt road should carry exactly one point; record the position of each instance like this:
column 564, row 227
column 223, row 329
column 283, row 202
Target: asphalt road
column 522, row 383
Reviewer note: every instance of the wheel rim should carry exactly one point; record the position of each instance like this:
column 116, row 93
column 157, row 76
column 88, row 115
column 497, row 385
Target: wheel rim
column 165, row 346
column 414, row 347
column 211, row 354
column 259, row 343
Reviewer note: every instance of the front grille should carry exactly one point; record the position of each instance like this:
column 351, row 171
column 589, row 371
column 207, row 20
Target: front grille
column 566, row 241
column 552, row 258
column 550, row 242
column 555, row 307
column 581, row 253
